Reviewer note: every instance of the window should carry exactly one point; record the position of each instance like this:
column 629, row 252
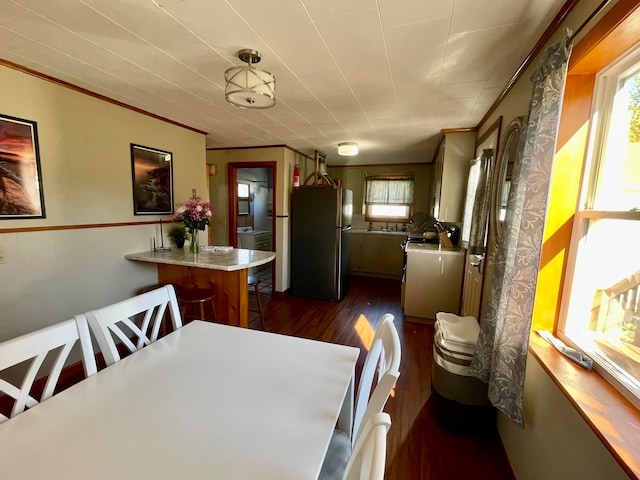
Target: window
column 472, row 186
column 602, row 313
column 243, row 190
column 389, row 198
column 244, row 199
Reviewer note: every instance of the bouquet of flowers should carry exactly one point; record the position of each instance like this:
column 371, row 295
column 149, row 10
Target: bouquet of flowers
column 195, row 215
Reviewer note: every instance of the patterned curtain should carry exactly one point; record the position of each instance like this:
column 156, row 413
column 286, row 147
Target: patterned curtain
column 481, row 205
column 501, row 352
column 389, row 190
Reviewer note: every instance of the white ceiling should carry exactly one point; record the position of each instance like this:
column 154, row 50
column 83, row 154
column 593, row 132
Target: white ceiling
column 387, row 74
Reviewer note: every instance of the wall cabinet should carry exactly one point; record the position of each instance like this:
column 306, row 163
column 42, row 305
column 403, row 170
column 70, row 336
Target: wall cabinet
column 376, row 254
column 354, row 181
column 432, row 282
column 451, row 170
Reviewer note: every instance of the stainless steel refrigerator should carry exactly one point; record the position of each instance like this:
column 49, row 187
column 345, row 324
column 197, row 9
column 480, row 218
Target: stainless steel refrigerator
column 320, row 242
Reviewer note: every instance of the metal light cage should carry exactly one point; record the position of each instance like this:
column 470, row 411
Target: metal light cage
column 249, row 87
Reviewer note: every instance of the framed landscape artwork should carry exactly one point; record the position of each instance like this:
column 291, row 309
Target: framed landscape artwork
column 152, row 171
column 20, row 178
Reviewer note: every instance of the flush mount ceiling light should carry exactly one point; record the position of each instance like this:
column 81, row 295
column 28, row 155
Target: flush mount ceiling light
column 348, row 149
column 249, row 87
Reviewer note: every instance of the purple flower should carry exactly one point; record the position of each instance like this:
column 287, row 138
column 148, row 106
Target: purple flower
column 194, row 214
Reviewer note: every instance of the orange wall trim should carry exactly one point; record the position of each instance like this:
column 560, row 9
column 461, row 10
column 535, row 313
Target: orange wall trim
column 74, row 227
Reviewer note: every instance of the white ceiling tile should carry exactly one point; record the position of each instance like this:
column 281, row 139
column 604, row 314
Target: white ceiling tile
column 389, row 74
column 461, row 90
column 395, row 13
column 352, row 33
column 219, row 26
column 471, row 15
column 417, row 38
column 478, row 111
column 320, row 9
column 489, row 94
column 456, row 106
column 367, row 69
column 418, row 66
column 476, row 44
column 322, row 81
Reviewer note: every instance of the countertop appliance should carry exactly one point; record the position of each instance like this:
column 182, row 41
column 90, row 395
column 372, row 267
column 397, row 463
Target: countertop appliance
column 320, row 242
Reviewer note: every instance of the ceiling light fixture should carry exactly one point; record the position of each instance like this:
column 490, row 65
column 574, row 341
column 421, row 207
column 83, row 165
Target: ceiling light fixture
column 348, row 149
column 249, row 87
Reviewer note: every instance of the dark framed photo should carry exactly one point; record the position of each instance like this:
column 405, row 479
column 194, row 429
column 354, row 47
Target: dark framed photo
column 152, row 171
column 20, row 178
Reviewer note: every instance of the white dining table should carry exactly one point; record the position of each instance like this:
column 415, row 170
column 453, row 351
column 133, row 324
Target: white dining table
column 208, row 401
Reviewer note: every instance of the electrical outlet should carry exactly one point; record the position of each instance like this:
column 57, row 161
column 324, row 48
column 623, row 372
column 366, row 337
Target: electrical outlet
column 3, row 255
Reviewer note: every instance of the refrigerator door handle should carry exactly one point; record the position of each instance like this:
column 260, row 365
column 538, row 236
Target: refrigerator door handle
column 339, row 265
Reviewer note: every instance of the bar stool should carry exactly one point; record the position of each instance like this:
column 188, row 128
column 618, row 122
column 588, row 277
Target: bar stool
column 190, row 297
column 255, row 283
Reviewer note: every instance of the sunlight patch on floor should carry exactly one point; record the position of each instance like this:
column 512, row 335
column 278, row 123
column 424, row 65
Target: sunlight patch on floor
column 365, row 331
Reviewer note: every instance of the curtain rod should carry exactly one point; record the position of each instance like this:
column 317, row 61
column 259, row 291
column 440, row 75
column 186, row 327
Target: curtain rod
column 597, row 10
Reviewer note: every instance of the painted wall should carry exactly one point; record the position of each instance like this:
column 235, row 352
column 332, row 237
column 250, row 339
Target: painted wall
column 556, row 442
column 285, row 159
column 51, row 275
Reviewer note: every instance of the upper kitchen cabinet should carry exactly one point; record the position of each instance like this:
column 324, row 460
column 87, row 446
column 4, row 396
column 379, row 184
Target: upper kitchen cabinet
column 354, row 181
column 451, row 168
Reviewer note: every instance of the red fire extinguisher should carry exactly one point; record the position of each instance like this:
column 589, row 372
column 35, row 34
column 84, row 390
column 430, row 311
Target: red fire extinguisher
column 296, row 177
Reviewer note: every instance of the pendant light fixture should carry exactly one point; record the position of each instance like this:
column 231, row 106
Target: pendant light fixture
column 347, row 149
column 249, row 87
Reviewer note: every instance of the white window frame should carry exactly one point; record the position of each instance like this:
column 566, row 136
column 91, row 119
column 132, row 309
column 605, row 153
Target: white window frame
column 606, row 86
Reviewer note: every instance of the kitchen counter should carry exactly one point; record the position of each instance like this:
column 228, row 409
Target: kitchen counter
column 225, row 272
column 378, row 232
column 236, row 259
column 431, row 248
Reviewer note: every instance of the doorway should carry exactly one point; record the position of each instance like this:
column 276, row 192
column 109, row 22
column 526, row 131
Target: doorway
column 252, row 218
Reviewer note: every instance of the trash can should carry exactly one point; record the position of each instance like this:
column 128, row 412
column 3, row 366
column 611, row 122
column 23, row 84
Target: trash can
column 460, row 401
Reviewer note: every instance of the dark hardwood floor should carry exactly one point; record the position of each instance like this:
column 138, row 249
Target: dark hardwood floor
column 417, row 447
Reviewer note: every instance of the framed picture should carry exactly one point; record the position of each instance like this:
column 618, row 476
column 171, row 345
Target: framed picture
column 20, row 178
column 152, row 171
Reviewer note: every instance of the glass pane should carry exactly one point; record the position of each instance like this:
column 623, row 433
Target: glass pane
column 391, row 211
column 243, row 190
column 619, row 176
column 472, row 186
column 604, row 310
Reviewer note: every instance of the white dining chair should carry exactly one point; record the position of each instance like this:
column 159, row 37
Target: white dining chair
column 384, row 358
column 36, row 346
column 121, row 322
column 368, row 460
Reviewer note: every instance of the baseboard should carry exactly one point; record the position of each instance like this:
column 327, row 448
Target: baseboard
column 426, row 321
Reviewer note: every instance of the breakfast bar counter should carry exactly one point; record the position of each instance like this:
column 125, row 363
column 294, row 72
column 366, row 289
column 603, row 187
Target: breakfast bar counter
column 225, row 272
